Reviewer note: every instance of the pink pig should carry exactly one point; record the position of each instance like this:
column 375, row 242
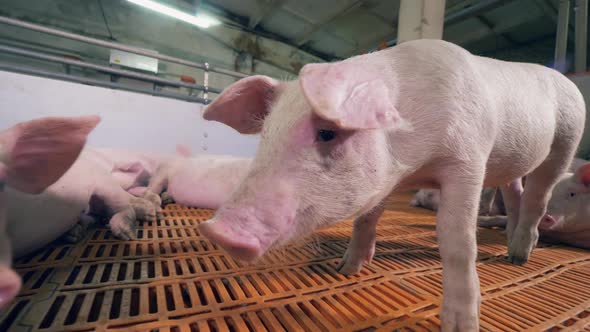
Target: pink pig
column 33, row 155
column 568, row 211
column 338, row 140
column 203, row 181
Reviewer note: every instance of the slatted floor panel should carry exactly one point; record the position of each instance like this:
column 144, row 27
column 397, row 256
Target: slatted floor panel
column 173, row 279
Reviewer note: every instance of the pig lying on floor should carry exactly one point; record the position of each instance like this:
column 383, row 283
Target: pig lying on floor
column 336, row 141
column 568, row 213
column 203, row 181
column 89, row 187
column 491, row 202
column 33, row 155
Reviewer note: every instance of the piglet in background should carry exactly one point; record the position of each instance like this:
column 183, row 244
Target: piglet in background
column 567, row 219
column 204, row 181
column 338, row 140
column 491, row 202
column 34, row 155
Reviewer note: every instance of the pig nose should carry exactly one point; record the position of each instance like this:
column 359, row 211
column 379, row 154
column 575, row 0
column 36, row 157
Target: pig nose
column 239, row 246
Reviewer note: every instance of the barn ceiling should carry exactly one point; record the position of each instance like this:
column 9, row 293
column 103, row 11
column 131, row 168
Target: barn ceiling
column 289, row 33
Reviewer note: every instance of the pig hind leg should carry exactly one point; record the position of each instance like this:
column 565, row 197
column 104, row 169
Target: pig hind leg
column 124, row 209
column 158, row 183
column 511, row 193
column 362, row 245
column 537, row 191
column 80, row 229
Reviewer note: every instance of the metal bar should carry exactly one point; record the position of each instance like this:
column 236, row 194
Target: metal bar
column 121, row 72
column 561, row 35
column 105, row 84
column 581, row 35
column 98, row 42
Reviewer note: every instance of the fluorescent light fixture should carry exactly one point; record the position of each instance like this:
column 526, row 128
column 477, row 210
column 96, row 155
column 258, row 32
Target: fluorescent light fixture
column 200, row 20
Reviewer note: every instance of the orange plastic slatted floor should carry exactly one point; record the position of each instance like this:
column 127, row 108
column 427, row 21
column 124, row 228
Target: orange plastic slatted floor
column 172, row 279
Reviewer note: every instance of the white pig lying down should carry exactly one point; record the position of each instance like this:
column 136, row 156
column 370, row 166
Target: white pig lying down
column 568, row 213
column 490, row 203
column 33, row 155
column 203, row 181
column 338, row 140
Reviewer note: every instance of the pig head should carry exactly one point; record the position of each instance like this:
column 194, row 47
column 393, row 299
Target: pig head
column 568, row 209
column 33, row 155
column 312, row 168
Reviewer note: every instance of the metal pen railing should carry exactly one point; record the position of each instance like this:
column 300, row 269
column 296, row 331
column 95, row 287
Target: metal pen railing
column 206, row 67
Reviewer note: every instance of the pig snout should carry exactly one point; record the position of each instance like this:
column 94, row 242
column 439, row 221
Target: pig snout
column 252, row 222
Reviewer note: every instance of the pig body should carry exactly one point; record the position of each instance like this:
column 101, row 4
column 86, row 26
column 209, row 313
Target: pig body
column 33, row 155
column 203, row 181
column 568, row 212
column 336, row 142
column 97, row 183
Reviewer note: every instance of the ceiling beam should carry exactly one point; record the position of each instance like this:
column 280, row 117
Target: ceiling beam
column 491, row 27
column 306, row 35
column 268, row 8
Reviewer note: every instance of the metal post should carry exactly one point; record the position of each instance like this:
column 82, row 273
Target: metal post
column 121, row 47
column 420, row 19
column 561, row 35
column 581, row 35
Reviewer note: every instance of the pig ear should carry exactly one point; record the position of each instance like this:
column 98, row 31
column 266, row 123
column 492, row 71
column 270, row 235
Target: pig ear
column 583, row 175
column 244, row 104
column 349, row 96
column 41, row 151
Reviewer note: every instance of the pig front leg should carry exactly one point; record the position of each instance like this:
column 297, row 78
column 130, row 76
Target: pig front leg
column 456, row 232
column 362, row 245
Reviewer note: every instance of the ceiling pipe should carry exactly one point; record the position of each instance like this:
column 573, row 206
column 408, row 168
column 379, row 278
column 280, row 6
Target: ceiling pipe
column 463, row 14
column 561, row 36
column 117, row 46
column 581, row 10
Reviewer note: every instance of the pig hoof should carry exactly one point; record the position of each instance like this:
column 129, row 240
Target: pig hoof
column 348, row 269
column 122, row 224
column 517, row 260
column 145, row 209
column 167, row 198
column 452, row 321
column 153, row 198
column 521, row 246
column 350, row 265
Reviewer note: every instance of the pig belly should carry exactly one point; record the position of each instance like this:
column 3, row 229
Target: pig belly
column 36, row 220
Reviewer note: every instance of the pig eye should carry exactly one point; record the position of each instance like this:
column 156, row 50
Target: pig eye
column 326, row 135
column 572, row 194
